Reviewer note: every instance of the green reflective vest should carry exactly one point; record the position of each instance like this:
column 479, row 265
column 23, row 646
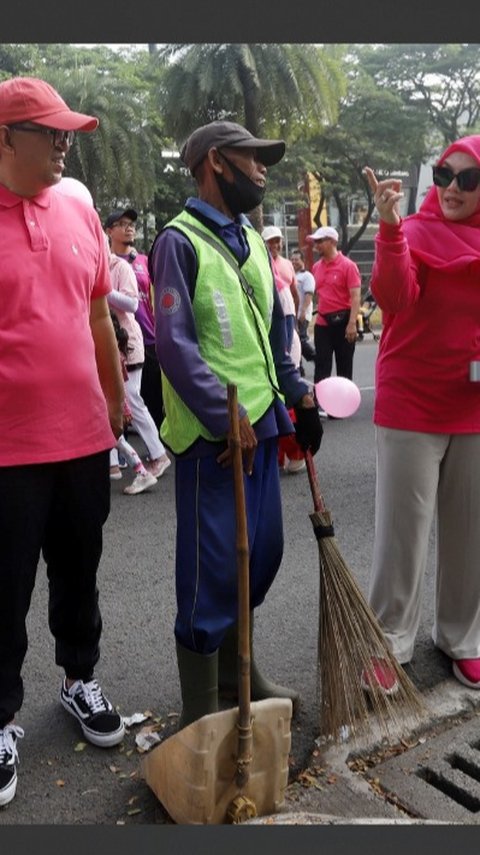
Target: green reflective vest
column 232, row 331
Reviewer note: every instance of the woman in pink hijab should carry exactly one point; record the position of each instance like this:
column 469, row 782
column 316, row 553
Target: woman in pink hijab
column 426, row 279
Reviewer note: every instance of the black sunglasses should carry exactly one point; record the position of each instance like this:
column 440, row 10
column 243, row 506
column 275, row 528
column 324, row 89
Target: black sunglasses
column 467, row 179
column 59, row 138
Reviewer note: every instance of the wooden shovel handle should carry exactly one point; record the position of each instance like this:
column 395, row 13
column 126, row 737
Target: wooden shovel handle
column 318, row 502
column 243, row 566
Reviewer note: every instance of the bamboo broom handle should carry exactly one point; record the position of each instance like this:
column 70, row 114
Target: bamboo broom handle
column 318, row 503
column 243, row 565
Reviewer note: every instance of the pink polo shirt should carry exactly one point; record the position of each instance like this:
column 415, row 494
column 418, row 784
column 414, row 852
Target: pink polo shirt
column 284, row 275
column 53, row 264
column 333, row 281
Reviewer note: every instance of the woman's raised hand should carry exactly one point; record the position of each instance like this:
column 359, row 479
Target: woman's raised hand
column 386, row 195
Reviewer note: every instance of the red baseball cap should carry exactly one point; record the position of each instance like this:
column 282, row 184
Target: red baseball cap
column 28, row 99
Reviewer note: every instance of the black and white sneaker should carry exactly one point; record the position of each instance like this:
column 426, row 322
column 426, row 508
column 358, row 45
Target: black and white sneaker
column 8, row 758
column 100, row 723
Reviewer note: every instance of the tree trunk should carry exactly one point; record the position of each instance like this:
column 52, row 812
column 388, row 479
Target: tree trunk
column 343, row 220
column 358, row 234
column 250, row 99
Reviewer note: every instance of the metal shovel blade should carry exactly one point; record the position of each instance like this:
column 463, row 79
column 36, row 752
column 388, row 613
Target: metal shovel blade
column 193, row 773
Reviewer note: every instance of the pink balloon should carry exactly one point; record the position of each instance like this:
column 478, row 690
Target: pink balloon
column 73, row 187
column 338, row 396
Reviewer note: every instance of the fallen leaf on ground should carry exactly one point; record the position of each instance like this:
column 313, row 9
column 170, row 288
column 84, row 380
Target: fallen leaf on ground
column 307, row 780
column 80, row 746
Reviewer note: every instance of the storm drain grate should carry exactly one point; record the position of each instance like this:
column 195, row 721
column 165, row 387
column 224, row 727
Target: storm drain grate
column 439, row 779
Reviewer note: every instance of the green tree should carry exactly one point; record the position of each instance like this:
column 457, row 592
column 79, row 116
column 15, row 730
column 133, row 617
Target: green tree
column 117, row 162
column 375, row 128
column 270, row 88
column 442, row 82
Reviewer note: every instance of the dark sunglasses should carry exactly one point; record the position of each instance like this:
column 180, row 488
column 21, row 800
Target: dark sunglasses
column 467, row 179
column 59, row 138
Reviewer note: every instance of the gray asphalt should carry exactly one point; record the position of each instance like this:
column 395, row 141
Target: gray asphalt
column 60, row 785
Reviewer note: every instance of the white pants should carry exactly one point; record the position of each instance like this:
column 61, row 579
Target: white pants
column 142, row 421
column 420, row 476
column 128, row 452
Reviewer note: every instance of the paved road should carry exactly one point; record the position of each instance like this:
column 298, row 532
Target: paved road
column 60, row 785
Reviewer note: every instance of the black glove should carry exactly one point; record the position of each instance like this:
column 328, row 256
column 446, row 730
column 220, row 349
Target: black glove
column 308, row 428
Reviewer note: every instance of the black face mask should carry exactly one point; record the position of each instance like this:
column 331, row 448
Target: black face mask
column 243, row 194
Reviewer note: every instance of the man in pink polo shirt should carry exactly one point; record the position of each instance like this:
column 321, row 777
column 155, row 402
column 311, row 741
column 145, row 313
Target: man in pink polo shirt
column 337, row 284
column 61, row 397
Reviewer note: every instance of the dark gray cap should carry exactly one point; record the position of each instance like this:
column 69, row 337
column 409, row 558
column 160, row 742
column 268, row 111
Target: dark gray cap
column 228, row 135
column 117, row 215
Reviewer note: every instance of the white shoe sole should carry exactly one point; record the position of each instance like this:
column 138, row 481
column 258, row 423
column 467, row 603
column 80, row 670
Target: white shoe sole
column 295, row 470
column 157, row 473
column 462, row 679
column 103, row 740
column 150, row 481
column 8, row 793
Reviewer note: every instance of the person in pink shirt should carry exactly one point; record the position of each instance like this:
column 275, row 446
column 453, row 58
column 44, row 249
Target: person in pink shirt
column 337, row 285
column 427, row 411
column 120, row 226
column 285, row 279
column 123, row 300
column 61, row 409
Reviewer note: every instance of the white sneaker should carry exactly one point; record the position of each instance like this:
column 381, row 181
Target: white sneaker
column 100, row 723
column 8, row 760
column 115, row 473
column 140, row 483
column 159, row 466
column 295, row 466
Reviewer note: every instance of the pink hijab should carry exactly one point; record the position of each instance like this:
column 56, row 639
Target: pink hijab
column 440, row 243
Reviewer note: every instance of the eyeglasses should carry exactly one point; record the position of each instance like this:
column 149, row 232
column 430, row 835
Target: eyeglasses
column 59, row 138
column 467, row 179
column 123, row 224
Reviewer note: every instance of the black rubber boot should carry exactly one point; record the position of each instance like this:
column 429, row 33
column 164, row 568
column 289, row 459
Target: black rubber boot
column 260, row 687
column 199, row 684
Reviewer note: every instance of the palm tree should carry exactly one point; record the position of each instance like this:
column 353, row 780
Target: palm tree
column 115, row 162
column 270, row 88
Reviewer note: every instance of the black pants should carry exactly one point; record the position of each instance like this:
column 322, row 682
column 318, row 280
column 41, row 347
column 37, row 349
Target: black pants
column 329, row 341
column 151, row 388
column 58, row 509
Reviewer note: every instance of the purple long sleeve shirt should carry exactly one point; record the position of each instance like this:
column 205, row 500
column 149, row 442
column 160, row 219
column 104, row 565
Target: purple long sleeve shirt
column 173, row 265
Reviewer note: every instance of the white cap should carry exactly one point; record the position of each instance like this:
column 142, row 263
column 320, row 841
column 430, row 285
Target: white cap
column 324, row 232
column 270, row 232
